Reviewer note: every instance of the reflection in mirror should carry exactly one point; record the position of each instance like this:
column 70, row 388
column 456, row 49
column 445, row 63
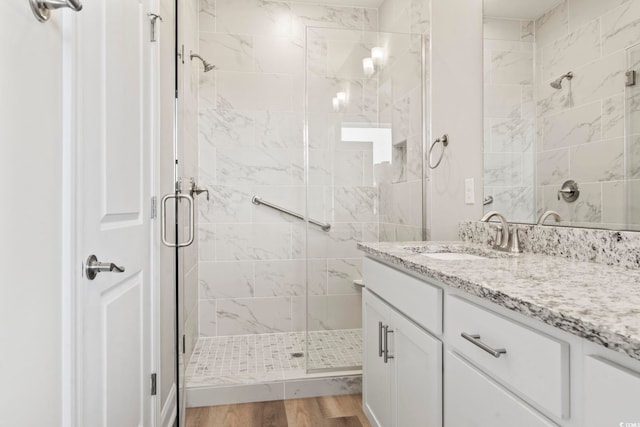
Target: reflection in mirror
column 554, row 110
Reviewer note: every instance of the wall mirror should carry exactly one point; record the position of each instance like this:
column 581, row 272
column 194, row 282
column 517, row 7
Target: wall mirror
column 561, row 105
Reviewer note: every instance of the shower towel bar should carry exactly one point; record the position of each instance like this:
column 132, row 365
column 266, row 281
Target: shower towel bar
column 258, row 201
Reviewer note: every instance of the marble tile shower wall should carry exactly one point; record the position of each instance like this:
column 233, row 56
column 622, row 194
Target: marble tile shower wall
column 400, row 103
column 252, row 259
column 581, row 126
column 509, row 118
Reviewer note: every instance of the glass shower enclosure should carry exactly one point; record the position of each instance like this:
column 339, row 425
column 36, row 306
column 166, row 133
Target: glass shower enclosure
column 325, row 150
column 365, row 103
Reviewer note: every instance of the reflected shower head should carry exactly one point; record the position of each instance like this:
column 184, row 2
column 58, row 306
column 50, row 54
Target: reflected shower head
column 207, row 67
column 557, row 83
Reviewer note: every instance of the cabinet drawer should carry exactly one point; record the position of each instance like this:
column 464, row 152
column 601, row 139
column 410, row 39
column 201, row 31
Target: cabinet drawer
column 472, row 399
column 416, row 299
column 612, row 394
column 534, row 365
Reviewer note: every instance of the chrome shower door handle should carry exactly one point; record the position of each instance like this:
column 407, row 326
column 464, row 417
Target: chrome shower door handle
column 93, row 267
column 42, row 8
column 163, row 220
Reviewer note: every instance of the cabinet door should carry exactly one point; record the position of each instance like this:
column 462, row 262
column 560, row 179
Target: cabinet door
column 472, row 399
column 612, row 394
column 376, row 378
column 416, row 375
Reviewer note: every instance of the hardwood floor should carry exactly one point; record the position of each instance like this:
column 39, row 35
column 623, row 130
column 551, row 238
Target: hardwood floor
column 326, row 411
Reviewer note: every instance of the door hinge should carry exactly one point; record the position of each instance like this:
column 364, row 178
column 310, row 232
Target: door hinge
column 630, row 78
column 154, row 389
column 154, row 207
column 184, row 344
column 181, row 54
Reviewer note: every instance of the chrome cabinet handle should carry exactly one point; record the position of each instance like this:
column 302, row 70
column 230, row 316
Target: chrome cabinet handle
column 93, row 267
column 42, row 8
column 386, row 343
column 163, row 220
column 475, row 339
column 380, row 351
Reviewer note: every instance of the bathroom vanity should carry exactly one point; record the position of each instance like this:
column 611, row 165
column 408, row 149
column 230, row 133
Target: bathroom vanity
column 456, row 335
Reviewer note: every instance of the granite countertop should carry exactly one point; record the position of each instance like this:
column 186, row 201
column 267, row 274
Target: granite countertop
column 597, row 302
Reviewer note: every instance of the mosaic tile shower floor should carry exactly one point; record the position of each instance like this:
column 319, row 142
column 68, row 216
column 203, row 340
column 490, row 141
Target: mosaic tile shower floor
column 248, row 359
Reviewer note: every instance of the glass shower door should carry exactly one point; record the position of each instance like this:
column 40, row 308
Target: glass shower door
column 632, row 135
column 364, row 145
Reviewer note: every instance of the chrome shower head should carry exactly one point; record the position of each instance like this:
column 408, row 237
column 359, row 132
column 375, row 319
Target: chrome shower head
column 557, row 83
column 207, row 67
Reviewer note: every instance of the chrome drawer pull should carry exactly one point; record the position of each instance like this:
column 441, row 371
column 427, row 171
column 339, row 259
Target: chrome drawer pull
column 475, row 339
column 386, row 343
column 380, row 339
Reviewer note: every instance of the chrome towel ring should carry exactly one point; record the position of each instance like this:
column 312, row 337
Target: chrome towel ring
column 444, row 141
column 42, row 8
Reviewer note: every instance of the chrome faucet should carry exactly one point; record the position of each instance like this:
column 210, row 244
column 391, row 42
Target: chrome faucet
column 503, row 230
column 548, row 214
column 509, row 239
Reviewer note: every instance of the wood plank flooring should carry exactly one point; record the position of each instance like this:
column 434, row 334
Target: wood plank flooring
column 325, row 411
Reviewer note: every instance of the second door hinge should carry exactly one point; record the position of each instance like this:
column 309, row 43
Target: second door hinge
column 184, row 344
column 154, row 387
column 154, row 207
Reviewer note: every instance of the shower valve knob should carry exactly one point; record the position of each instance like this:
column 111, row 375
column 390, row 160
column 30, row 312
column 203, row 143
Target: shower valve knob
column 569, row 191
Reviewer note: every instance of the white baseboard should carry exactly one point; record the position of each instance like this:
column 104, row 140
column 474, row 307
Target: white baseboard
column 169, row 409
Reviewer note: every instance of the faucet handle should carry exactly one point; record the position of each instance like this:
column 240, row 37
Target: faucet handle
column 514, row 241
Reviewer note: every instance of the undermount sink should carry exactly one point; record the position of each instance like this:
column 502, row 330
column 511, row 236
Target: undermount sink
column 453, row 256
column 456, row 251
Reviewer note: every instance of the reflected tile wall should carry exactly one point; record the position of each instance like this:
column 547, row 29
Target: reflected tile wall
column 400, row 200
column 252, row 260
column 509, row 115
column 581, row 126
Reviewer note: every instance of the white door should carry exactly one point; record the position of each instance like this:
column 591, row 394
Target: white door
column 113, row 139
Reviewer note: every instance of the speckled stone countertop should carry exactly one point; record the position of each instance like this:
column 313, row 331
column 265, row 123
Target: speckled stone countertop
column 597, row 302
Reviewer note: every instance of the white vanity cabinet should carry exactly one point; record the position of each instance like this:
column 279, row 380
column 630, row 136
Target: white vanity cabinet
column 611, row 394
column 402, row 362
column 508, row 370
column 474, row 399
column 376, row 390
column 534, row 365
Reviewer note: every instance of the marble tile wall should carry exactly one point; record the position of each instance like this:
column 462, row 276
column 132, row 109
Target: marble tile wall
column 400, row 102
column 509, row 118
column 252, row 260
column 581, row 126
